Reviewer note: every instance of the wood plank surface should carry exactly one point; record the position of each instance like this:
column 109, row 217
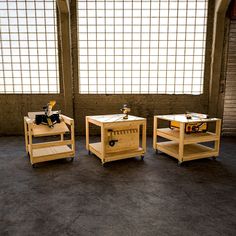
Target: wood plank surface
column 182, row 118
column 114, row 118
column 173, row 134
column 191, row 151
column 44, row 130
column 47, row 151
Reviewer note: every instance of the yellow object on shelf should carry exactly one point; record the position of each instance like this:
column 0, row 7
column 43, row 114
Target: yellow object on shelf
column 186, row 146
column 196, row 127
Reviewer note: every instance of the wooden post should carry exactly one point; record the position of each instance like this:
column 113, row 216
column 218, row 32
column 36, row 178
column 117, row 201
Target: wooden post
column 144, row 136
column 26, row 135
column 30, row 143
column 154, row 132
column 217, row 131
column 87, row 132
column 72, row 133
column 181, row 142
column 103, row 143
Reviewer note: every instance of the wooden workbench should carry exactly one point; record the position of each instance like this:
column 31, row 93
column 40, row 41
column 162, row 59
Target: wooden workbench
column 126, row 132
column 182, row 146
column 46, row 151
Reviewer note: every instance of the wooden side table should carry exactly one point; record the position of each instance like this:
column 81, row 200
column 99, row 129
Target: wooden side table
column 46, row 151
column 182, row 146
column 120, row 138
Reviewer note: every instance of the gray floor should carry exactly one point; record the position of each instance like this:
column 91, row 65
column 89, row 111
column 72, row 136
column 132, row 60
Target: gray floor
column 128, row 197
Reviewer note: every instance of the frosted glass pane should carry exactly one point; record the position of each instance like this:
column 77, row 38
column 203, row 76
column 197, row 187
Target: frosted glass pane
column 161, row 50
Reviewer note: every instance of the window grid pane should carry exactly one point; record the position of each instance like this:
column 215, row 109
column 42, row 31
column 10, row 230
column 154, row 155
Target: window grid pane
column 141, row 46
column 28, row 47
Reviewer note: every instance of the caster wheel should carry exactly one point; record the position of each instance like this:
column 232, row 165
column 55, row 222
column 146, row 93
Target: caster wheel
column 142, row 158
column 103, row 164
column 89, row 152
column 179, row 163
column 72, row 159
column 34, row 166
column 214, row 158
column 156, row 151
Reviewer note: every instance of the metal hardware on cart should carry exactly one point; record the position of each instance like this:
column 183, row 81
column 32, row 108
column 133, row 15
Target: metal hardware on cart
column 112, row 142
column 125, row 111
column 49, row 117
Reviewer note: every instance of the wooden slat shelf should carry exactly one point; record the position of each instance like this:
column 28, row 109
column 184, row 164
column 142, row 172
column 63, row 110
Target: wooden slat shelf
column 96, row 148
column 173, row 134
column 51, row 151
column 191, row 151
column 43, row 130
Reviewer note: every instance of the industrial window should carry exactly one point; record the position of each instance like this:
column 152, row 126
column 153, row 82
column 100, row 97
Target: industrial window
column 28, row 47
column 141, row 46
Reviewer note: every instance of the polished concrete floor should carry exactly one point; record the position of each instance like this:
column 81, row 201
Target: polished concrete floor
column 128, row 197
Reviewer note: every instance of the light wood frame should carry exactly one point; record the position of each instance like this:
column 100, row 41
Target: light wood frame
column 99, row 148
column 47, row 151
column 186, row 147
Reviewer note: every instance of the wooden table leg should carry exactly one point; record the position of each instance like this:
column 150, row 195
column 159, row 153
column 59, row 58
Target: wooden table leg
column 217, row 131
column 30, row 145
column 72, row 135
column 181, row 142
column 144, row 137
column 103, row 144
column 87, row 133
column 154, row 132
column 26, row 136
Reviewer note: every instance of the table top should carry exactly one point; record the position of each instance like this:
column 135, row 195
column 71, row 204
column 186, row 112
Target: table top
column 196, row 117
column 114, row 118
column 44, row 130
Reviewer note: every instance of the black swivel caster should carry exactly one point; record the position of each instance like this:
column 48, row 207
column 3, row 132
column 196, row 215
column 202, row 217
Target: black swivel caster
column 142, row 158
column 34, row 166
column 179, row 163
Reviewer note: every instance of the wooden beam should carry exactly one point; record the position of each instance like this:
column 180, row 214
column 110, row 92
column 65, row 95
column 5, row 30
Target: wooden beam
column 63, row 6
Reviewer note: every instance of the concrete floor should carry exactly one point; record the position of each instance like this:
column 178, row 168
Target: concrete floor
column 128, row 197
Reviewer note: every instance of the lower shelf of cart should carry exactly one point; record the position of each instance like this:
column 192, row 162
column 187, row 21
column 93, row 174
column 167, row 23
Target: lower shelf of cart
column 96, row 148
column 191, row 151
column 52, row 151
column 174, row 134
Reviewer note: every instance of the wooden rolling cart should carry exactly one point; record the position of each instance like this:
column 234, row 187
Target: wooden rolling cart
column 182, row 146
column 46, row 151
column 120, row 138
